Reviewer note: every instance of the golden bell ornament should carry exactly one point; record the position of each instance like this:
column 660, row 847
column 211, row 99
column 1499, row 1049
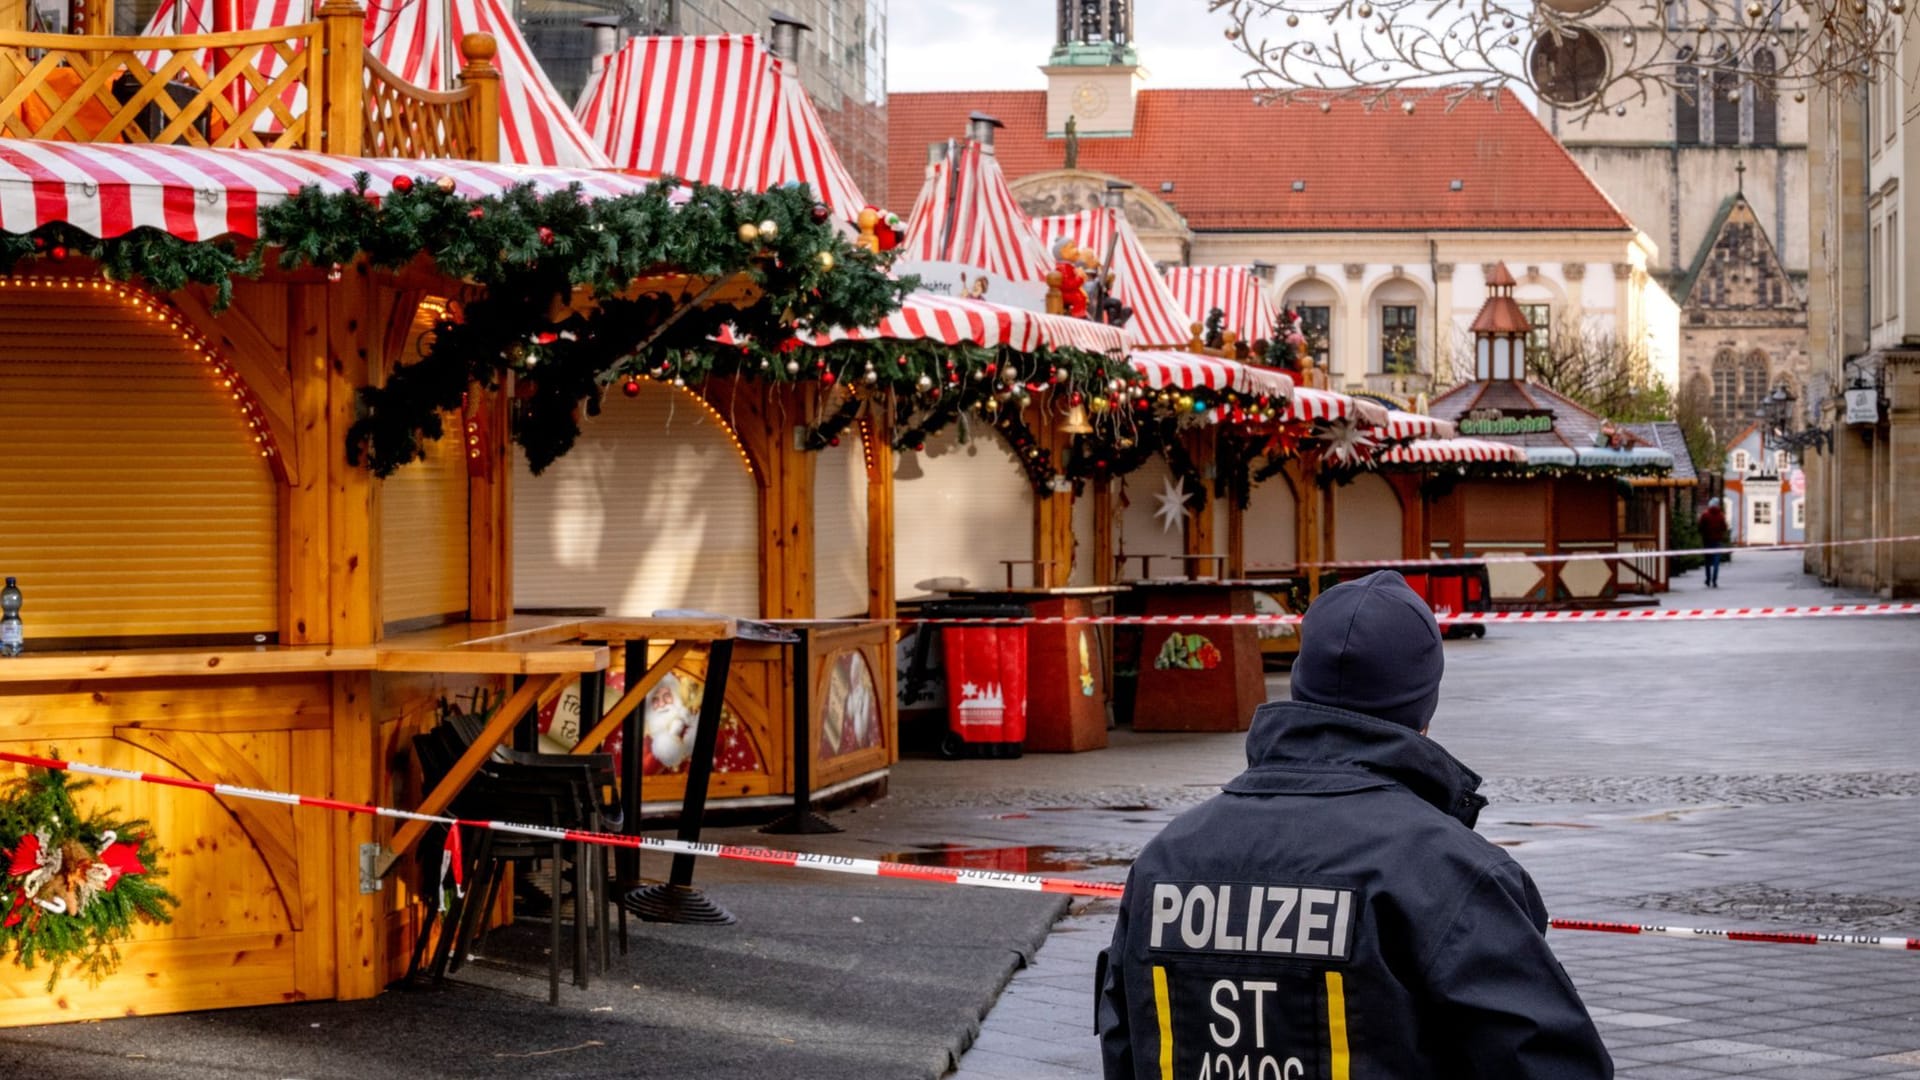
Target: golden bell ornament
column 1076, row 422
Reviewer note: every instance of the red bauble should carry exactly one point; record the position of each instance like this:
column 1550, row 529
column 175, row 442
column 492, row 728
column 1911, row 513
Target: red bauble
column 835, row 441
column 1074, row 398
column 820, row 213
column 373, row 199
column 403, row 184
column 902, row 361
column 39, row 243
column 476, row 213
column 546, row 236
column 58, row 253
column 826, row 378
column 631, row 388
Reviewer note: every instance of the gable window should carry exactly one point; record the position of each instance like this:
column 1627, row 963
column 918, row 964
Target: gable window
column 1399, row 339
column 1799, row 513
column 1742, row 461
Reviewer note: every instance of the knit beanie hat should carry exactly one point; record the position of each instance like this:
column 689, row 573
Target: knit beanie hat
column 1371, row 646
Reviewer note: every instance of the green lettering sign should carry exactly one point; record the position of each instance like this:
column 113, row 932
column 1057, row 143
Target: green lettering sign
column 1506, row 425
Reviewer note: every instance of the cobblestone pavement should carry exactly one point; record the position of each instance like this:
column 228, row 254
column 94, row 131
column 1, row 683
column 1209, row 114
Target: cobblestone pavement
column 1749, row 775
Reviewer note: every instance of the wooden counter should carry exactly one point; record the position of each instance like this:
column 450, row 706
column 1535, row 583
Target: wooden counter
column 1211, row 678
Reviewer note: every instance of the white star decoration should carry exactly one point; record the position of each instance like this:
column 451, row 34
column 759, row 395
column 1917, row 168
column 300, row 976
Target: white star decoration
column 1173, row 504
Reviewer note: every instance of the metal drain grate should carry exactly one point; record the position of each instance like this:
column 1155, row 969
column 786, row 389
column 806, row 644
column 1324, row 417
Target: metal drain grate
column 1767, row 902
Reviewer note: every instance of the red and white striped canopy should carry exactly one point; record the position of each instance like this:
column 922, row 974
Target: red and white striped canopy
column 966, row 214
column 1198, row 371
column 1158, row 320
column 1402, row 426
column 195, row 193
column 955, row 321
column 413, row 38
column 1236, row 290
column 721, row 110
column 1452, row 451
column 1311, row 404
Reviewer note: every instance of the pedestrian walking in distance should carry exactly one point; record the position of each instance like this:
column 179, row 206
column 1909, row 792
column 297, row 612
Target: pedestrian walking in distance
column 1713, row 534
column 1332, row 913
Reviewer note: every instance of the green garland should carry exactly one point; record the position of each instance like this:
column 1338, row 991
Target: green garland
column 72, row 885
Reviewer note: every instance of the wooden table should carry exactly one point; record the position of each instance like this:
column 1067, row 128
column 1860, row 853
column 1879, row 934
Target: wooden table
column 1196, row 562
column 1068, row 678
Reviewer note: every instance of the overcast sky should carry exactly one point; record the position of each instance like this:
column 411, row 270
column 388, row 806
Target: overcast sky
column 1000, row 44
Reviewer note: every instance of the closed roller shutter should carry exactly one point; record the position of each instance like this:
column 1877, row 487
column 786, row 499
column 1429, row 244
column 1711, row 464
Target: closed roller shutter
column 1366, row 521
column 1272, row 531
column 423, row 534
column 1083, row 547
column 840, row 529
column 133, row 500
column 958, row 510
column 653, row 508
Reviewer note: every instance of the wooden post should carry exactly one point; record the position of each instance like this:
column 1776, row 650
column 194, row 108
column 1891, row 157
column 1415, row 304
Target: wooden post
column 881, row 596
column 1052, row 510
column 304, row 607
column 1104, row 570
column 483, row 108
column 1200, row 538
column 342, row 111
column 13, row 16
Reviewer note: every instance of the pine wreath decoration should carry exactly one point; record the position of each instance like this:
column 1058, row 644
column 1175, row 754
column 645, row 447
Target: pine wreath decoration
column 72, row 884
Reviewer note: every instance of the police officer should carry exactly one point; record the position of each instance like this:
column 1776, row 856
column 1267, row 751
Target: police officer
column 1333, row 914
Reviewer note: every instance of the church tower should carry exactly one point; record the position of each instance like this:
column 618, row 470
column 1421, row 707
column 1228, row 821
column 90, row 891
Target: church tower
column 1094, row 74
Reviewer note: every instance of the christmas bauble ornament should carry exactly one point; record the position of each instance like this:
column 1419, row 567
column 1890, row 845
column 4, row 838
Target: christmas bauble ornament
column 826, row 260
column 820, row 213
column 925, row 383
column 765, row 364
column 631, row 387
column 373, row 199
column 403, row 184
column 769, row 228
column 445, row 184
column 835, row 441
column 870, row 377
column 546, row 236
column 59, row 254
column 678, row 381
column 793, row 367
column 749, row 233
column 826, row 378
column 476, row 213
column 333, row 272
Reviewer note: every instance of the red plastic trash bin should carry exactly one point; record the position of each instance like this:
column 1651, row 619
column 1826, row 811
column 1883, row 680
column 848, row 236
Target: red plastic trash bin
column 986, row 673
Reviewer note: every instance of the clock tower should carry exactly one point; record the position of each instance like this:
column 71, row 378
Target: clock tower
column 1094, row 73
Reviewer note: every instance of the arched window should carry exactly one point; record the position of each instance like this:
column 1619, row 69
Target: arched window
column 1726, row 104
column 1686, row 102
column 1766, row 100
column 1726, row 390
column 1753, row 385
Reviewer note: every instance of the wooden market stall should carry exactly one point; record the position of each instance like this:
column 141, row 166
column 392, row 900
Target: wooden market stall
column 226, row 579
column 1564, row 498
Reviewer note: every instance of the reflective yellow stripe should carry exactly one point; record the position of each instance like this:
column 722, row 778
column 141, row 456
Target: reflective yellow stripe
column 1336, row 1024
column 1165, row 1012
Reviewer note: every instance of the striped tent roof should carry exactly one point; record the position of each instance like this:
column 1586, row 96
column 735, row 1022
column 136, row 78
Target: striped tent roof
column 1452, row 451
column 1158, row 319
column 1195, row 371
column 197, row 193
column 966, row 214
column 721, row 110
column 1406, row 426
column 956, row 321
column 411, row 38
column 1236, row 290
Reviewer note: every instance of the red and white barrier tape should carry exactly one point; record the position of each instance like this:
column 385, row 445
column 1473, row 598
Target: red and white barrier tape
column 994, row 879
column 1827, row 611
column 843, row 864
column 1773, row 937
column 1417, row 564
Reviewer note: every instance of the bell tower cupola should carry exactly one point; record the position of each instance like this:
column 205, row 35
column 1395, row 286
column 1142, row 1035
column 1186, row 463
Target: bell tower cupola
column 1094, row 74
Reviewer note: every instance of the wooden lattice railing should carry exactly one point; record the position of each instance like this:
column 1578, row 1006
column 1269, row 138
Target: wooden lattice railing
column 309, row 87
column 406, row 121
column 245, row 89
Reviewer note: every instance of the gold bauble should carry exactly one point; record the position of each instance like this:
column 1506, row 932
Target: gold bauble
column 826, row 260
column 749, row 233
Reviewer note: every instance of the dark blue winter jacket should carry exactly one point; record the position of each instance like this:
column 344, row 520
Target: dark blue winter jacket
column 1333, row 916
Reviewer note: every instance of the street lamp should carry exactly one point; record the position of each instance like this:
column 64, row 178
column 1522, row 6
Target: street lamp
column 1776, row 413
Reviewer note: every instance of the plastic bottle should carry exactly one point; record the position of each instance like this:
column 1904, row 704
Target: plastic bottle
column 12, row 635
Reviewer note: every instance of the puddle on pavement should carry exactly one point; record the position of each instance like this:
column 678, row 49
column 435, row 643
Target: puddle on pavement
column 1550, row 824
column 1125, row 808
column 1508, row 843
column 1022, row 859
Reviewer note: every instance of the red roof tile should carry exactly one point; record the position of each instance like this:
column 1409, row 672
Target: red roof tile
column 1233, row 163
